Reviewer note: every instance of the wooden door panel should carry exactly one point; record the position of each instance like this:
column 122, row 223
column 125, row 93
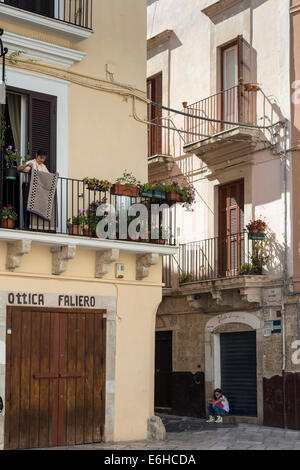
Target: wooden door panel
column 80, row 383
column 55, row 378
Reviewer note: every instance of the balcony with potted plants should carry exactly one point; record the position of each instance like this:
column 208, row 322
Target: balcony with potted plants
column 76, row 210
column 225, row 270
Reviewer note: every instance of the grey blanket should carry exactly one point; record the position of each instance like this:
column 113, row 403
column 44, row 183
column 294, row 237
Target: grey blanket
column 41, row 194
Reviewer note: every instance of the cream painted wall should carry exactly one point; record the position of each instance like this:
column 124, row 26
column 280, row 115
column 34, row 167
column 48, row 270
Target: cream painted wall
column 101, row 139
column 130, row 349
column 104, row 139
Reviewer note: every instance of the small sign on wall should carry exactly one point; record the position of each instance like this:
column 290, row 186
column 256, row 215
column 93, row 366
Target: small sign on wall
column 272, row 327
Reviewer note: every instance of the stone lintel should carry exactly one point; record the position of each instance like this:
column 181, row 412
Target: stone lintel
column 15, row 251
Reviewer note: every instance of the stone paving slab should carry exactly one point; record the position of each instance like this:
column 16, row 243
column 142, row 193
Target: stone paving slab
column 189, row 434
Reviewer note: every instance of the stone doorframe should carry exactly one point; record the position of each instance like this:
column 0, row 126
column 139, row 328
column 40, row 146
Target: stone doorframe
column 247, row 322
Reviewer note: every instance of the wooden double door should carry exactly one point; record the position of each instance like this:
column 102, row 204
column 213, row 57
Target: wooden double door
column 55, row 377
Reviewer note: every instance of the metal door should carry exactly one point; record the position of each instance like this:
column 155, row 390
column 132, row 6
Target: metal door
column 238, row 372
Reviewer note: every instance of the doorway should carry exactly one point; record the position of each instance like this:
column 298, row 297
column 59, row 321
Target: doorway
column 239, row 372
column 163, row 369
column 55, row 377
column 231, row 228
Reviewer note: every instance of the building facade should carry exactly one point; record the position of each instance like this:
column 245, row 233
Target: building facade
column 72, row 367
column 229, row 316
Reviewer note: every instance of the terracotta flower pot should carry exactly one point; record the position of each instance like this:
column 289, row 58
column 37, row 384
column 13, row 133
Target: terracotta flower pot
column 8, row 223
column 88, row 232
column 75, row 229
column 173, row 197
column 123, row 190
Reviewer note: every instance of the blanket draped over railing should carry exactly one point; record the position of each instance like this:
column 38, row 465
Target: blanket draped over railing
column 41, row 194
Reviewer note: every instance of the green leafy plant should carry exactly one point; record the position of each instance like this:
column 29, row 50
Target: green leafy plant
column 12, row 157
column 96, row 184
column 9, row 213
column 79, row 219
column 246, row 269
column 128, row 179
column 259, row 259
column 186, row 277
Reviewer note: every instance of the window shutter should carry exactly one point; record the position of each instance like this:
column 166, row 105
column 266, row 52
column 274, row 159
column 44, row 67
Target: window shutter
column 244, row 53
column 154, row 93
column 42, row 127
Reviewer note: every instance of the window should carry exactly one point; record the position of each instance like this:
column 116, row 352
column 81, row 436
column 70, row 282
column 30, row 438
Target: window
column 30, row 126
column 31, row 123
column 235, row 69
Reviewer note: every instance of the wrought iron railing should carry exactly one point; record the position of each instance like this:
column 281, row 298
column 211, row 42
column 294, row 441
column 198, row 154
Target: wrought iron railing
column 214, row 258
column 241, row 104
column 75, row 12
column 73, row 198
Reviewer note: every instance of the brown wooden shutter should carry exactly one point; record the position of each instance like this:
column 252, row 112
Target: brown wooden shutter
column 231, row 224
column 244, row 54
column 42, row 127
column 154, row 93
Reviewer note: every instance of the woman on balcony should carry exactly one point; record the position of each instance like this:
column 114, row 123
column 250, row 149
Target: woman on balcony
column 218, row 406
column 37, row 163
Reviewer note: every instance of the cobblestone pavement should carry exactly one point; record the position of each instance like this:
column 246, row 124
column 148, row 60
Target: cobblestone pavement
column 196, row 434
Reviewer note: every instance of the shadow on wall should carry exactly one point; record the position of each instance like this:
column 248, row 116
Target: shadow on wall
column 275, row 251
column 236, row 9
column 173, row 43
column 149, row 2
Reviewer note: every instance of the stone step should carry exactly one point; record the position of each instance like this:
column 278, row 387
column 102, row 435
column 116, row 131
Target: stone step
column 240, row 419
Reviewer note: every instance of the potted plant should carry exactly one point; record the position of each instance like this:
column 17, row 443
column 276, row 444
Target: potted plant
column 252, row 87
column 179, row 193
column 12, row 159
column 256, row 229
column 8, row 217
column 259, row 257
column 126, row 185
column 76, row 224
column 185, row 278
column 155, row 190
column 173, row 193
column 95, row 184
column 245, row 269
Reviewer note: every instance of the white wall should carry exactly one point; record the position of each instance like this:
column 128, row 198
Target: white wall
column 190, row 59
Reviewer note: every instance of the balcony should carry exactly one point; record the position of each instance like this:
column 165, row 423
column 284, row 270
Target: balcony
column 165, row 147
column 75, row 216
column 242, row 108
column 215, row 262
column 72, row 19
